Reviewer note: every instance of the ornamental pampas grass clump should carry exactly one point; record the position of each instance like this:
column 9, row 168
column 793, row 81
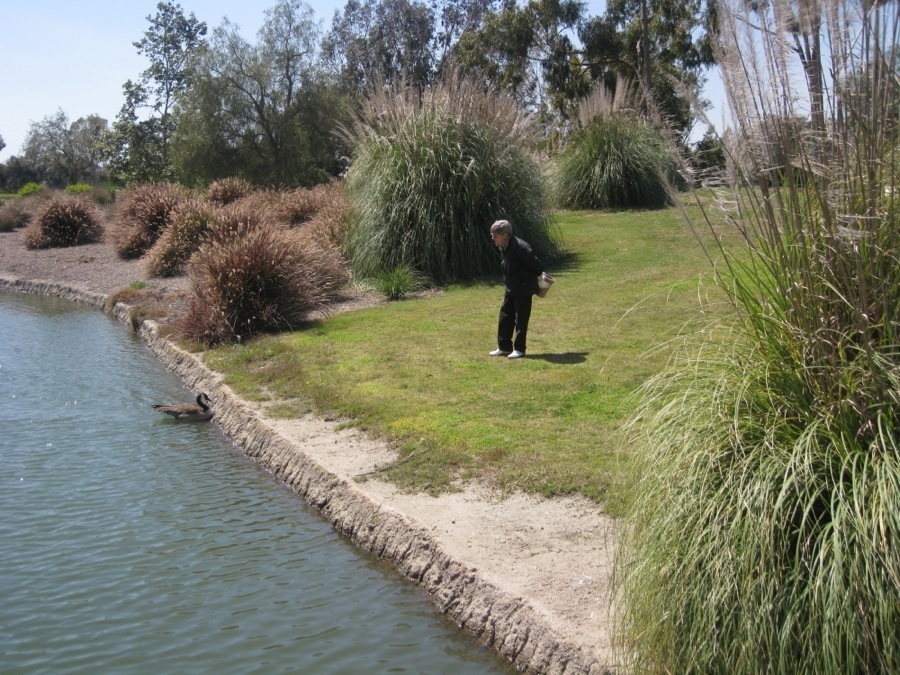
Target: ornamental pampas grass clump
column 762, row 531
column 431, row 173
column 616, row 158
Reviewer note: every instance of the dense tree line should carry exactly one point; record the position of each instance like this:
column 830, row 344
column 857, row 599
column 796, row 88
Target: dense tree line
column 214, row 104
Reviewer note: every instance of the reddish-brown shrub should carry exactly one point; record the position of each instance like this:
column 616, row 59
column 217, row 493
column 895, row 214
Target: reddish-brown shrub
column 191, row 220
column 228, row 190
column 144, row 211
column 13, row 215
column 234, row 219
column 64, row 221
column 329, row 224
column 295, row 207
column 261, row 279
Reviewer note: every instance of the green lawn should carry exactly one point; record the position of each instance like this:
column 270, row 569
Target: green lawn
column 417, row 372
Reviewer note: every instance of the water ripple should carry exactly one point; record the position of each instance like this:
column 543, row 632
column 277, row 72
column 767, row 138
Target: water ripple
column 132, row 544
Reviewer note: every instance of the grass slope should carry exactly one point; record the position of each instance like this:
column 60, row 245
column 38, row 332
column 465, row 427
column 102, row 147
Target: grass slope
column 418, row 373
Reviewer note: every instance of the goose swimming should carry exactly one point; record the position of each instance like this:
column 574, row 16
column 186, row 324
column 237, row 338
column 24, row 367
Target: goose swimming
column 185, row 411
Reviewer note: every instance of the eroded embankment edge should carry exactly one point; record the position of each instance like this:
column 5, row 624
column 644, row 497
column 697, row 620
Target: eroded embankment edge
column 503, row 622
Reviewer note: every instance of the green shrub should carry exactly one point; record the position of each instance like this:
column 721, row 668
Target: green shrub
column 77, row 188
column 190, row 221
column 30, row 189
column 228, row 190
column 99, row 195
column 762, row 535
column 144, row 211
column 102, row 195
column 261, row 279
column 13, row 215
column 430, row 175
column 614, row 162
column 64, row 221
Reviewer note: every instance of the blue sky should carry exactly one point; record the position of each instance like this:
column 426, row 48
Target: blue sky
column 75, row 56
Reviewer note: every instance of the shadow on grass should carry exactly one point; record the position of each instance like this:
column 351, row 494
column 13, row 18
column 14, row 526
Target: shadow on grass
column 569, row 358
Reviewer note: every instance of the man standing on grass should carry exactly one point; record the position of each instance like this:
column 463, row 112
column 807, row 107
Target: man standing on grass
column 521, row 270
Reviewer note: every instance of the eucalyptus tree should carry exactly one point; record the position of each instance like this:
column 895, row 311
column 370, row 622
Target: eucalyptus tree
column 139, row 145
column 550, row 53
column 455, row 19
column 664, row 45
column 531, row 52
column 61, row 153
column 260, row 109
column 381, row 40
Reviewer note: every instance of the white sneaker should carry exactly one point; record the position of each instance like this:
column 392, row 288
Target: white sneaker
column 498, row 352
column 516, row 354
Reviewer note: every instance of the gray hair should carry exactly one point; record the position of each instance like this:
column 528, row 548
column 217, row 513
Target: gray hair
column 501, row 227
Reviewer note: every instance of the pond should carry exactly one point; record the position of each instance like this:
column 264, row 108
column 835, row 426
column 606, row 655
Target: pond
column 132, row 543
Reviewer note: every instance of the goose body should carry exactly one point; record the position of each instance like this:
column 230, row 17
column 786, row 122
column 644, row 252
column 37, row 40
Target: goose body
column 185, row 411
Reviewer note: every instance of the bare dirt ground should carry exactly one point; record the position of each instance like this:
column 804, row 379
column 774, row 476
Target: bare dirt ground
column 552, row 556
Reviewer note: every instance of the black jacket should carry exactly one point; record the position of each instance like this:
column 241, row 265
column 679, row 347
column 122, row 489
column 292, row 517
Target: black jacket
column 521, row 268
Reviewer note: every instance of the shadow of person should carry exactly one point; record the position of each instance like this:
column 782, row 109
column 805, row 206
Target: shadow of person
column 569, row 358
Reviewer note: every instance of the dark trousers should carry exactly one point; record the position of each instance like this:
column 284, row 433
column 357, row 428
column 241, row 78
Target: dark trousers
column 514, row 314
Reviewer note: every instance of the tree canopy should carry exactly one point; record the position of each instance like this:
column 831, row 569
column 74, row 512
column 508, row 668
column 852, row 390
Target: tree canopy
column 266, row 109
column 139, row 144
column 61, row 153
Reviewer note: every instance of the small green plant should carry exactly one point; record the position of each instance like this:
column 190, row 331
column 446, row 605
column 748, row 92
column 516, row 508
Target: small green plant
column 398, row 282
column 144, row 211
column 258, row 279
column 98, row 194
column 139, row 285
column 64, row 221
column 30, row 189
column 77, row 188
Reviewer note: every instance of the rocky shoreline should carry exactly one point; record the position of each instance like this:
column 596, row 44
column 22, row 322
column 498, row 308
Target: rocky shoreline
column 528, row 576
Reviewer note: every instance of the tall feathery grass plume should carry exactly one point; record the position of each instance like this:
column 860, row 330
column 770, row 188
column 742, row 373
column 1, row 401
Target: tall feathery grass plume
column 432, row 170
column 762, row 534
column 616, row 158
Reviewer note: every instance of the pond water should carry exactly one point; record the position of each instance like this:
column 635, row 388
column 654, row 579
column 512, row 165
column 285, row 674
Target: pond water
column 132, row 543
